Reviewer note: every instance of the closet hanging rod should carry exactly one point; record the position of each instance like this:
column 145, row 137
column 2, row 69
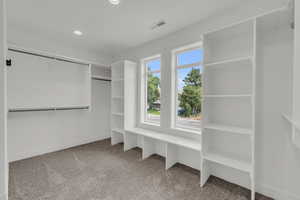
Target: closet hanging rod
column 46, row 56
column 13, row 47
column 47, row 109
column 101, row 79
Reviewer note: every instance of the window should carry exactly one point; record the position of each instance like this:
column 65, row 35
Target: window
column 152, row 78
column 188, row 87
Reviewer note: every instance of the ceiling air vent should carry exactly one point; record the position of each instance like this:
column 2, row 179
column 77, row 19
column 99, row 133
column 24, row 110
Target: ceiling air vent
column 158, row 24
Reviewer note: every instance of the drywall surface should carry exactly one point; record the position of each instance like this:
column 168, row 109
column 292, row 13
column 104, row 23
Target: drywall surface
column 3, row 130
column 35, row 133
column 29, row 40
column 278, row 162
column 193, row 33
column 296, row 73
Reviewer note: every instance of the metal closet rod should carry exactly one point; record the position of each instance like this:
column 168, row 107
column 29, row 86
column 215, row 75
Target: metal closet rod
column 48, row 109
column 101, row 79
column 49, row 55
column 46, row 56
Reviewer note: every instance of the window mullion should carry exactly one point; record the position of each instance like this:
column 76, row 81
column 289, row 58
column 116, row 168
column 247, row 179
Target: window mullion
column 189, row 65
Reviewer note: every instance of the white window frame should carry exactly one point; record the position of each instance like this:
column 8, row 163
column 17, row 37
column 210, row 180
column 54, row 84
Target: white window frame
column 144, row 92
column 175, row 52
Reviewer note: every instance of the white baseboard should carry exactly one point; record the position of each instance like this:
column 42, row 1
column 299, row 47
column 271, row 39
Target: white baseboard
column 25, row 155
column 276, row 193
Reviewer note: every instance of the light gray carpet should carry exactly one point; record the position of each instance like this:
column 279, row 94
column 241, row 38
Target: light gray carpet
column 99, row 171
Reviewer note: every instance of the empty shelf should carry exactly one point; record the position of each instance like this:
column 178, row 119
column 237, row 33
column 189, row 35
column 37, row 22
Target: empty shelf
column 231, row 129
column 117, row 97
column 118, row 130
column 240, row 59
column 228, row 96
column 236, row 164
column 118, row 114
column 180, row 141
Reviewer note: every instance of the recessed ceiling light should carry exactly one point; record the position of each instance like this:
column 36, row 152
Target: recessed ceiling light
column 114, row 2
column 77, row 32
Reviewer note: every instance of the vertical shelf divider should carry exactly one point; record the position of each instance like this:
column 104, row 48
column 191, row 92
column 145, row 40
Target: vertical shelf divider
column 171, row 155
column 130, row 141
column 205, row 174
column 252, row 175
column 148, row 145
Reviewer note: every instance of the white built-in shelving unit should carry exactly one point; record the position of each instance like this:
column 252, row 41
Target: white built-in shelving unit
column 171, row 144
column 229, row 100
column 229, row 106
column 123, row 120
column 122, row 106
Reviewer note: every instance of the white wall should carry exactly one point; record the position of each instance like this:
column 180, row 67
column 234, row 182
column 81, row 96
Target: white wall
column 3, row 133
column 278, row 162
column 32, row 40
column 276, row 169
column 35, row 133
column 296, row 79
column 292, row 151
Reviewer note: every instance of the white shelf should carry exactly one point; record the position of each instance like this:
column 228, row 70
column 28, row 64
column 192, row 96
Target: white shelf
column 229, row 43
column 180, row 141
column 117, row 97
column 239, row 59
column 118, row 130
column 228, row 96
column 236, row 164
column 230, row 129
column 118, row 114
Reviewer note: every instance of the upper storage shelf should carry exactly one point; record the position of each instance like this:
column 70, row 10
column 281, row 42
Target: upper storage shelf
column 231, row 78
column 229, row 43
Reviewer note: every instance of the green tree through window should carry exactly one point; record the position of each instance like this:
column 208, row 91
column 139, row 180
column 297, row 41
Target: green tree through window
column 152, row 90
column 190, row 98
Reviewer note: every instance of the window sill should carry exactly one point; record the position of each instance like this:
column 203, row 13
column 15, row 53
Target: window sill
column 150, row 126
column 186, row 131
column 177, row 131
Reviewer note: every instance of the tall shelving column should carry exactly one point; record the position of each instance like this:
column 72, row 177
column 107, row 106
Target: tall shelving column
column 117, row 103
column 123, row 106
column 228, row 128
column 252, row 175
